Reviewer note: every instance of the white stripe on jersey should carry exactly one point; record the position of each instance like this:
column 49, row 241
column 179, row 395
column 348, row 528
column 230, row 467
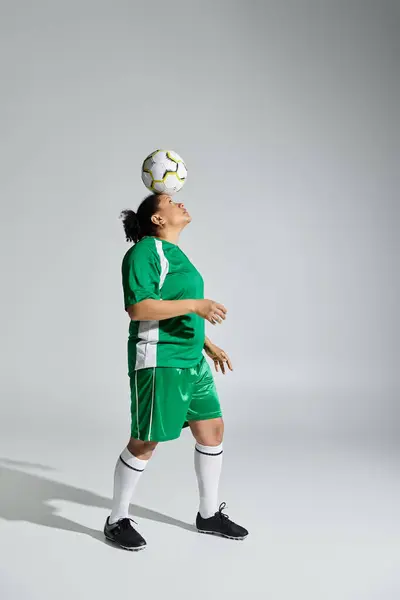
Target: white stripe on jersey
column 148, row 332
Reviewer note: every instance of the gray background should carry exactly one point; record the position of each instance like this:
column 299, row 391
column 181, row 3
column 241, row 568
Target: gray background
column 286, row 114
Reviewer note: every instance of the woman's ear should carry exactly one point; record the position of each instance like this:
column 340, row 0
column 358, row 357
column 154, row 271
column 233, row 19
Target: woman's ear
column 157, row 220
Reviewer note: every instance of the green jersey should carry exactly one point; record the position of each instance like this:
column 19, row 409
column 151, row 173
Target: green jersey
column 154, row 268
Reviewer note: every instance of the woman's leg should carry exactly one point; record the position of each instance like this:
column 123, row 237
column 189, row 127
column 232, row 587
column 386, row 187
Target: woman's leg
column 130, row 465
column 208, row 462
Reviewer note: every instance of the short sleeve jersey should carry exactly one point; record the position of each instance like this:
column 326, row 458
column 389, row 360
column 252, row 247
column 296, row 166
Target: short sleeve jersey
column 157, row 269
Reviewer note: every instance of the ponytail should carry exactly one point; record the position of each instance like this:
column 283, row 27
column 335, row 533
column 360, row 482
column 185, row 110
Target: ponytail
column 139, row 224
column 131, row 225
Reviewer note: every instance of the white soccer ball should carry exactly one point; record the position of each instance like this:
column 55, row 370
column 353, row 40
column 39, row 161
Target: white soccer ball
column 164, row 172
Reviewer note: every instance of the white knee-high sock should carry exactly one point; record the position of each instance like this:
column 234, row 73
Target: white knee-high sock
column 208, row 464
column 126, row 475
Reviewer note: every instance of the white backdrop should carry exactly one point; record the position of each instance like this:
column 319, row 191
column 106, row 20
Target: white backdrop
column 286, row 114
column 288, row 121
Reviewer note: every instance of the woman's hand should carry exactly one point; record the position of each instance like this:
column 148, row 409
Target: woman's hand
column 218, row 356
column 210, row 310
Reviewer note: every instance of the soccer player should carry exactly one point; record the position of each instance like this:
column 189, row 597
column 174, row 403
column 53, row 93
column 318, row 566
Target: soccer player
column 171, row 382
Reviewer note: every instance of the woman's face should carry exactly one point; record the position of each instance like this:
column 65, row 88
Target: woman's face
column 170, row 213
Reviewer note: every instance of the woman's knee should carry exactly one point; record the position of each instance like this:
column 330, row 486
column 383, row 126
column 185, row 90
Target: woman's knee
column 208, row 432
column 141, row 449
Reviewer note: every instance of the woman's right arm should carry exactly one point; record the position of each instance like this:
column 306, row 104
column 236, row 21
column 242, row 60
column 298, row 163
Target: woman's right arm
column 141, row 273
column 157, row 310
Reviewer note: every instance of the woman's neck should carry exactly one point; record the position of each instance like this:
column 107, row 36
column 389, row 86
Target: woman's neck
column 169, row 236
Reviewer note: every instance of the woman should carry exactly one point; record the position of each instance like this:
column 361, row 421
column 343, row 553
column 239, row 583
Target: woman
column 170, row 380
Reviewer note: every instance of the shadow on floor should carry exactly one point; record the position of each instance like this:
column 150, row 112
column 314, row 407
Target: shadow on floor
column 26, row 497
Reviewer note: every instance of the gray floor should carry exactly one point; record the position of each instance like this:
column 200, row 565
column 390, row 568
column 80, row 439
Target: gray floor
column 323, row 521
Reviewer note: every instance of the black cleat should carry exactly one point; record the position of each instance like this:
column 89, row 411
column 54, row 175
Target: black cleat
column 220, row 524
column 124, row 535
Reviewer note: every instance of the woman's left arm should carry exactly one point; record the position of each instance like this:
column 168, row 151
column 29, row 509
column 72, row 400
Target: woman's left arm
column 207, row 343
column 217, row 355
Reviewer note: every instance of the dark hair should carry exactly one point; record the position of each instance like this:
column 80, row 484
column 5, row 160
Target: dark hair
column 139, row 224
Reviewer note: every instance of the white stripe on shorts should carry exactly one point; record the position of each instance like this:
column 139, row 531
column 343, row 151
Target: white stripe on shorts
column 137, row 407
column 152, row 402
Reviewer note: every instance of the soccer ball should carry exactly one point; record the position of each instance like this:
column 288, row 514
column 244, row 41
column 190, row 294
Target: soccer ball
column 164, row 172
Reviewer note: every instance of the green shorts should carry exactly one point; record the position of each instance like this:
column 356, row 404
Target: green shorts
column 164, row 399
